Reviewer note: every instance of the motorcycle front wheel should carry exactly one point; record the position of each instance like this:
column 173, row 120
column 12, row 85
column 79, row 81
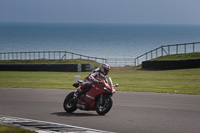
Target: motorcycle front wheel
column 103, row 107
column 70, row 103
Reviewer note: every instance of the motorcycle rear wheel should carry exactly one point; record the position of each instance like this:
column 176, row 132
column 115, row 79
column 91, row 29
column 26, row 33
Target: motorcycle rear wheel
column 70, row 103
column 104, row 108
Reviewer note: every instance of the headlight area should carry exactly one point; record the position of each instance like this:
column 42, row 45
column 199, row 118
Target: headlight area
column 105, row 88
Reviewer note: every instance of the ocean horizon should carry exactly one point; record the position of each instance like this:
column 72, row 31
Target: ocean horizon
column 97, row 40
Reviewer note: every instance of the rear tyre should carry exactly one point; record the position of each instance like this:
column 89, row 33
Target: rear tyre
column 70, row 103
column 105, row 106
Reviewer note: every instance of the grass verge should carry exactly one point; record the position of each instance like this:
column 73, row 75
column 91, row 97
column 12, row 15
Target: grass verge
column 11, row 129
column 188, row 56
column 182, row 81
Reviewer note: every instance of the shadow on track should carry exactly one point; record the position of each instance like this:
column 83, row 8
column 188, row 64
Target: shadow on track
column 73, row 114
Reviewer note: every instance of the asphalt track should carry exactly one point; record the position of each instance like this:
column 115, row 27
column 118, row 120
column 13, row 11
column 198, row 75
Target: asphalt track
column 132, row 112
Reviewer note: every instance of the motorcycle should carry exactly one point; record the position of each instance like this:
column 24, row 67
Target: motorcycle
column 97, row 98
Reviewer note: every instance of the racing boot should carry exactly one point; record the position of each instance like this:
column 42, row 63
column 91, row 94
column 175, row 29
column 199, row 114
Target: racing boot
column 77, row 92
column 82, row 90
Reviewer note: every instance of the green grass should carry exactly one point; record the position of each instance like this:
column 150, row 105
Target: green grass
column 184, row 81
column 188, row 56
column 10, row 129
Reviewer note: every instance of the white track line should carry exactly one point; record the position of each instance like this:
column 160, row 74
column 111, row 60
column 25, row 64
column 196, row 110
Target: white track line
column 15, row 121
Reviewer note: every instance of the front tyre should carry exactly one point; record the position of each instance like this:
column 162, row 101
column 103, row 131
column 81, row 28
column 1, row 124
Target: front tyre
column 70, row 103
column 104, row 106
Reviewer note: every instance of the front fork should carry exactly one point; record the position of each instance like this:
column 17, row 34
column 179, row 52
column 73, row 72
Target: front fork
column 101, row 99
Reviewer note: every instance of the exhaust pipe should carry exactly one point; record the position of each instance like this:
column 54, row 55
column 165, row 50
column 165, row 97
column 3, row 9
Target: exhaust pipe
column 80, row 106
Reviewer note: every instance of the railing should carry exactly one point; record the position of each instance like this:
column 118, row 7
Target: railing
column 167, row 50
column 51, row 55
column 120, row 62
column 160, row 51
column 117, row 62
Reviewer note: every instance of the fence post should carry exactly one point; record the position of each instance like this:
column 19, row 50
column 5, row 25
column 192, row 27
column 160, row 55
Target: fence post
column 25, row 55
column 49, row 55
column 106, row 61
column 168, row 50
column 134, row 62
column 146, row 56
column 156, row 52
column 185, row 48
column 176, row 49
column 193, row 48
column 65, row 55
column 44, row 54
column 8, row 56
column 29, row 55
column 59, row 54
column 161, row 50
column 34, row 55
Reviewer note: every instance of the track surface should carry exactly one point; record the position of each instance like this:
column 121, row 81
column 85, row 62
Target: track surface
column 138, row 112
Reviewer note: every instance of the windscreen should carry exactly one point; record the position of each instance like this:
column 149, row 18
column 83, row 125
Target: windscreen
column 110, row 82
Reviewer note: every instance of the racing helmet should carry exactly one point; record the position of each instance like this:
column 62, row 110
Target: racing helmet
column 104, row 69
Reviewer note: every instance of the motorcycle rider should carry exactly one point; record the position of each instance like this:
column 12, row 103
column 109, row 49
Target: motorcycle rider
column 94, row 77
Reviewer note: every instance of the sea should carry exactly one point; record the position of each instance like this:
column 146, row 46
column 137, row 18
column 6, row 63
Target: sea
column 97, row 40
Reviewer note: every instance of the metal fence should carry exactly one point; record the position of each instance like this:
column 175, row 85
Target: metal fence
column 160, row 51
column 120, row 62
column 168, row 50
column 117, row 62
column 50, row 55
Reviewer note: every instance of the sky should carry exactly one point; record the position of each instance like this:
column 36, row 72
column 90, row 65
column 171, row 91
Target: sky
column 101, row 11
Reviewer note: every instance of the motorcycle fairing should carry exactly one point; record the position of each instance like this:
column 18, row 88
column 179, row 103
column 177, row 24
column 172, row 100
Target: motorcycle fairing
column 91, row 95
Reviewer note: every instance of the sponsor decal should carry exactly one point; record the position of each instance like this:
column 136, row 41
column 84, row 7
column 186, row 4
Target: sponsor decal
column 90, row 96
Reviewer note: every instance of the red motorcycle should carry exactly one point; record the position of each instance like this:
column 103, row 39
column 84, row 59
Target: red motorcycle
column 97, row 98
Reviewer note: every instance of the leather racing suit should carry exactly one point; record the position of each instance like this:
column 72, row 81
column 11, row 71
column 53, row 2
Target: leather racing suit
column 95, row 76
